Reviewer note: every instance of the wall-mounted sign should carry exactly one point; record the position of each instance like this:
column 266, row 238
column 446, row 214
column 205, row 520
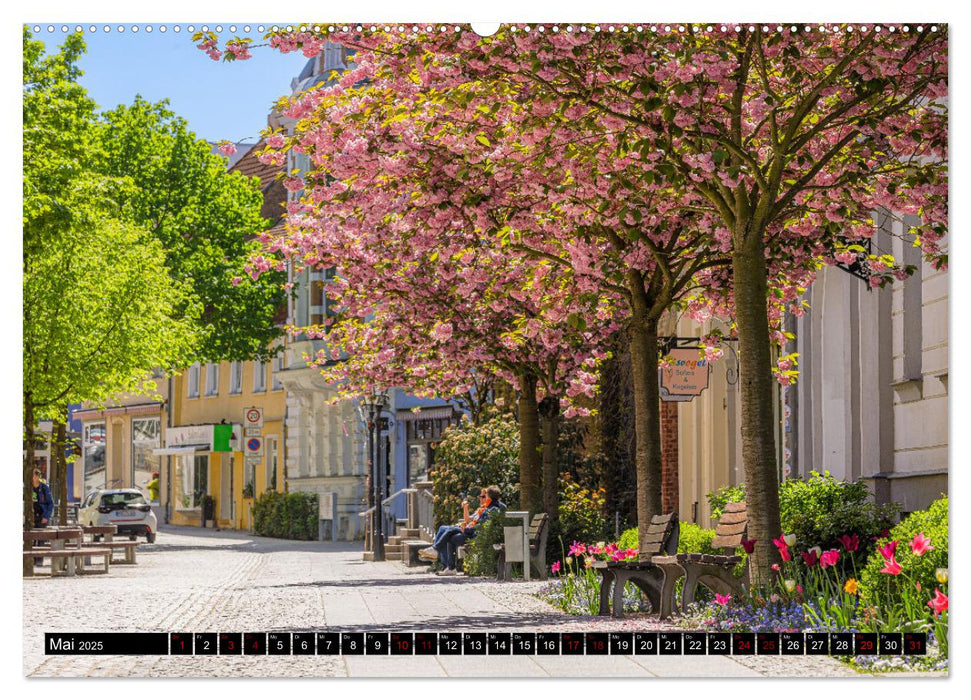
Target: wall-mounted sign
column 254, row 446
column 253, row 417
column 685, row 377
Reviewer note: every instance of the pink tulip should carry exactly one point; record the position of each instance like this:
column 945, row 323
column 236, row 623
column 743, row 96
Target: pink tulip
column 938, row 603
column 829, row 558
column 892, row 567
column 722, row 599
column 577, row 548
column 888, row 550
column 810, row 558
column 921, row 545
column 775, row 567
column 555, row 568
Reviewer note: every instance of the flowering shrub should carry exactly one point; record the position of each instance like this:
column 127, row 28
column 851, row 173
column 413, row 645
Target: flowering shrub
column 472, row 456
column 820, row 510
column 581, row 511
column 778, row 616
column 904, row 585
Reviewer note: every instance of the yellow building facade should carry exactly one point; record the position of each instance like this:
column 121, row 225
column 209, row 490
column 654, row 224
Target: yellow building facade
column 212, row 449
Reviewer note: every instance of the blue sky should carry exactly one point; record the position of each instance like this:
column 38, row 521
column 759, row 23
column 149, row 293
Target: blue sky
column 219, row 100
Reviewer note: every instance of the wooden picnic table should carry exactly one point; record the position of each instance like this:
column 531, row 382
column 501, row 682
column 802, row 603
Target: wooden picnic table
column 107, row 531
column 59, row 538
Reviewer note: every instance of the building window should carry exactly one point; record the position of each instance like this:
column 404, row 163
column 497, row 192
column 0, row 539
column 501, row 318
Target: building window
column 272, row 462
column 249, row 479
column 277, row 366
column 145, row 438
column 212, row 379
column 93, row 442
column 192, row 383
column 191, row 481
column 259, row 377
column 236, row 378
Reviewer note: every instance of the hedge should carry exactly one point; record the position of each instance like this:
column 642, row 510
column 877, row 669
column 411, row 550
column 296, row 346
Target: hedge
column 290, row 516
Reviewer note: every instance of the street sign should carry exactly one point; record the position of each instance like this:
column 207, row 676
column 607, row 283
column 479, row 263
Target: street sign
column 253, row 417
column 254, row 446
column 252, row 432
column 251, row 460
column 685, row 376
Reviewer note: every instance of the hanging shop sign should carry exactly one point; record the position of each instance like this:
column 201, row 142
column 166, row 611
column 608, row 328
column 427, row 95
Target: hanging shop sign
column 685, row 376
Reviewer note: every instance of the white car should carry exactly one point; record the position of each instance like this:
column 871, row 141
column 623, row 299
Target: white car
column 126, row 509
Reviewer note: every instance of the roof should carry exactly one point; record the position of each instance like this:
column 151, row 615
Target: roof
column 274, row 193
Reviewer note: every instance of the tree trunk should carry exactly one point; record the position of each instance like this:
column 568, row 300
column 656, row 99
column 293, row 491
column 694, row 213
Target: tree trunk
column 530, row 493
column 28, row 477
column 647, row 422
column 549, row 413
column 757, row 422
column 57, row 454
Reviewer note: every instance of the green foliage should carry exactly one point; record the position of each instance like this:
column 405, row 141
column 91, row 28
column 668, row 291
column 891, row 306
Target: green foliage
column 884, row 590
column 628, row 539
column 204, row 217
column 474, row 456
column 100, row 307
column 693, row 538
column 480, row 556
column 820, row 509
column 581, row 513
column 717, row 500
column 291, row 516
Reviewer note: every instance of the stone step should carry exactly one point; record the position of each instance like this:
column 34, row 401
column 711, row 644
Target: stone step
column 409, row 533
column 394, row 540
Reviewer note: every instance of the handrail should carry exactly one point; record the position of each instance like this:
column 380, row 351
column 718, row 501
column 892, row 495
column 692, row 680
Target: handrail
column 387, row 501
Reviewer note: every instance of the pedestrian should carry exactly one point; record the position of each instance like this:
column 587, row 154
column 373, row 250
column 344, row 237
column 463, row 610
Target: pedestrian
column 450, row 537
column 43, row 506
column 152, row 487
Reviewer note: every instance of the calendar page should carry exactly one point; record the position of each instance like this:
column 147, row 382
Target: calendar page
column 609, row 349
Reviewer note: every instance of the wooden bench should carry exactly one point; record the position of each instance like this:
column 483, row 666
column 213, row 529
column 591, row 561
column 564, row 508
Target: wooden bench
column 662, row 538
column 128, row 547
column 714, row 571
column 74, row 559
column 538, row 533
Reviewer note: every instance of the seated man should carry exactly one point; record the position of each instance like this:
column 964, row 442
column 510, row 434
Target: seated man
column 450, row 537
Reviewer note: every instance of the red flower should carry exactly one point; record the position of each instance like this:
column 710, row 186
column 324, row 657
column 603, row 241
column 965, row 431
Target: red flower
column 555, row 568
column 938, row 603
column 829, row 558
column 892, row 567
column 784, row 553
column 810, row 558
column 888, row 550
column 921, row 545
column 748, row 546
column 775, row 567
column 850, row 542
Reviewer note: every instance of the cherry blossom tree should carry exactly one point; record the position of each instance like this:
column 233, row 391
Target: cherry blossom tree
column 771, row 146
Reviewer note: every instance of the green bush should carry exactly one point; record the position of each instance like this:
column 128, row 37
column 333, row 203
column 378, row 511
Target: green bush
column 291, row 516
column 480, row 555
column 581, row 513
column 471, row 457
column 820, row 509
column 693, row 539
column 628, row 539
column 884, row 590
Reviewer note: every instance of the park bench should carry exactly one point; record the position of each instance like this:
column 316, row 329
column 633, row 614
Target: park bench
column 107, row 533
column 714, row 571
column 538, row 533
column 662, row 538
column 65, row 550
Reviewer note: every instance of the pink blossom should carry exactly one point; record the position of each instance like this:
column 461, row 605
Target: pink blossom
column 829, row 558
column 938, row 603
column 722, row 599
column 891, row 566
column 921, row 545
column 555, row 568
column 227, row 148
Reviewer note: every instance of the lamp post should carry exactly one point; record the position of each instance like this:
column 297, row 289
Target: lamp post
column 374, row 402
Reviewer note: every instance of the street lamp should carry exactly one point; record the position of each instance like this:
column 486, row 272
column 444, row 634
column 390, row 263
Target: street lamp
column 374, row 402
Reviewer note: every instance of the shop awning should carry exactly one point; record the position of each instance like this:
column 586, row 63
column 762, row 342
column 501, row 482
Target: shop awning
column 428, row 413
column 181, row 450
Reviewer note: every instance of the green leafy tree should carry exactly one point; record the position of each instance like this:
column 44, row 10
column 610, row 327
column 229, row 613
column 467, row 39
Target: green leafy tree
column 203, row 216
column 100, row 307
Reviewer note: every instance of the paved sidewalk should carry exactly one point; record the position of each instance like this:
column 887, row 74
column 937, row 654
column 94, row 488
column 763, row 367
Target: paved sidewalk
column 206, row 581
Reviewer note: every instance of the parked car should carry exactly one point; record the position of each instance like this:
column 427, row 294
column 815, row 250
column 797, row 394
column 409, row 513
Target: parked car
column 126, row 509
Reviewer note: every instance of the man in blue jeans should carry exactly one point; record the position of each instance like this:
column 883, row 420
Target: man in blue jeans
column 450, row 537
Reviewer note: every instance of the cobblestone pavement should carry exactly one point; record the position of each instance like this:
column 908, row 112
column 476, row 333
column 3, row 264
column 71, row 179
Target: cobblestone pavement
column 205, row 581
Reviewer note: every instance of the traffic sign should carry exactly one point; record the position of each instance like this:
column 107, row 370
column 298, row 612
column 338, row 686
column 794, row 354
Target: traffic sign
column 254, row 446
column 253, row 417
